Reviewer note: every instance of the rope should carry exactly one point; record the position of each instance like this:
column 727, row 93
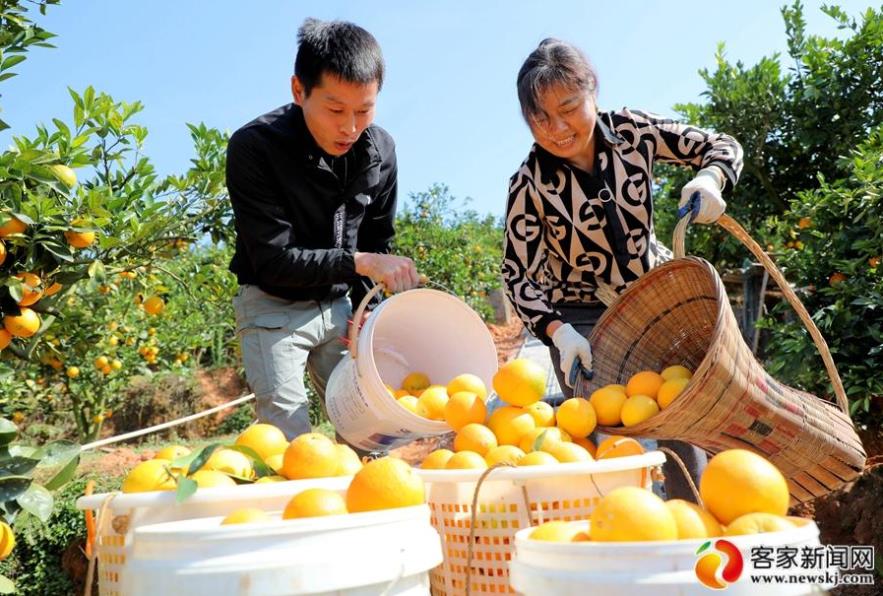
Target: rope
column 165, row 425
column 686, row 473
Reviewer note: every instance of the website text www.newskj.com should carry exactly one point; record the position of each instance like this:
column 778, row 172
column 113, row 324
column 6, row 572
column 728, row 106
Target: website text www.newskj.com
column 858, row 579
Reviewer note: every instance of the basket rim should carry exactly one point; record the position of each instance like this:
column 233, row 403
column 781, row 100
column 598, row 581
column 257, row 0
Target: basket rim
column 601, row 466
column 123, row 502
column 209, row 527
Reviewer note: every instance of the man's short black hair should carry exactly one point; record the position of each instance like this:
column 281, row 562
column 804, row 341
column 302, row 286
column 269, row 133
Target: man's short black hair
column 338, row 48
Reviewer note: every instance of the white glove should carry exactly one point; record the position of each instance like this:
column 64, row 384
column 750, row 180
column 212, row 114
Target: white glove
column 571, row 345
column 708, row 184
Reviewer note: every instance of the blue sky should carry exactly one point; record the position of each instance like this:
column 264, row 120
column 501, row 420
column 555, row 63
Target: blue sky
column 449, row 99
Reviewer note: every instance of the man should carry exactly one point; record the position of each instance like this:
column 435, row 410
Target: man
column 313, row 188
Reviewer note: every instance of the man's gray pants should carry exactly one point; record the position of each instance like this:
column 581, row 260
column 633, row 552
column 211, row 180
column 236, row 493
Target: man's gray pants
column 281, row 341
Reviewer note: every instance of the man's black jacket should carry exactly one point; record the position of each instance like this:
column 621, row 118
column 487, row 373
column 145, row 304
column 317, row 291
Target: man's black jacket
column 298, row 223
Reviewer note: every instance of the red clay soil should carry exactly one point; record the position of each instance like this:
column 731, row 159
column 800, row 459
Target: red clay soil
column 852, row 515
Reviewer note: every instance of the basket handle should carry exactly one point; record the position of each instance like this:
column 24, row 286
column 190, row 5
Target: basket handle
column 737, row 231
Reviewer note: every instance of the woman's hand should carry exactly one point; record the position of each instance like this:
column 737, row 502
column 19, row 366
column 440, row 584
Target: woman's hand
column 707, row 185
column 571, row 345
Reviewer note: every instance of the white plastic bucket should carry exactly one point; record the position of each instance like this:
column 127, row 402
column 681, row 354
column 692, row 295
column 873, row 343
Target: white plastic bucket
column 664, row 568
column 129, row 511
column 361, row 554
column 510, row 499
column 419, row 330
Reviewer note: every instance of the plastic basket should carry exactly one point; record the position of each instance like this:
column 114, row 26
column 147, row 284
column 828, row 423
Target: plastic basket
column 510, row 499
column 123, row 513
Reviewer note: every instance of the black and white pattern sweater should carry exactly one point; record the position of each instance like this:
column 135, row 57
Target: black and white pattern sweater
column 566, row 228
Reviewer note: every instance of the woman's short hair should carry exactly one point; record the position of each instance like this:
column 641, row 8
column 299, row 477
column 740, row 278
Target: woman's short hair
column 553, row 62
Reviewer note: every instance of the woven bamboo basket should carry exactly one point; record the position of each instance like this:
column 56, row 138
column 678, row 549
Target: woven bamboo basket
column 679, row 313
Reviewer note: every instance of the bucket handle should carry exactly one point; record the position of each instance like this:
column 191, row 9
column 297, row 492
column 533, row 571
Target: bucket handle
column 357, row 319
column 732, row 226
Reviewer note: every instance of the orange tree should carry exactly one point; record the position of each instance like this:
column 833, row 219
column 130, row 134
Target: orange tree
column 68, row 242
column 793, row 123
column 809, row 191
column 55, row 462
column 455, row 248
column 171, row 315
column 100, row 233
column 833, row 247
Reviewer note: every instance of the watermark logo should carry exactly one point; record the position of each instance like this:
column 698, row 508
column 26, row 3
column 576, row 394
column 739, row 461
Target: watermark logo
column 721, row 564
column 711, row 569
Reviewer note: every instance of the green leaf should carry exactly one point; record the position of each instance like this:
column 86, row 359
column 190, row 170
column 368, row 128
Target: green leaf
column 64, row 475
column 38, row 502
column 200, row 457
column 62, row 127
column 8, row 431
column 17, row 466
column 21, row 451
column 64, row 455
column 703, row 548
column 61, row 252
column 261, row 469
column 11, row 487
column 78, row 101
column 66, row 278
column 15, row 290
column 79, row 117
column 186, row 488
column 79, row 140
column 12, row 61
column 538, row 442
column 24, row 218
column 88, row 97
column 57, row 453
column 6, row 585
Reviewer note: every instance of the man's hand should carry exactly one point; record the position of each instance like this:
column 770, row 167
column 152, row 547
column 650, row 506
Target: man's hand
column 571, row 345
column 397, row 274
column 708, row 184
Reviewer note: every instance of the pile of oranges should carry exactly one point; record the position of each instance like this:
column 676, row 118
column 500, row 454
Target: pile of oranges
column 383, row 483
column 644, row 395
column 742, row 493
column 525, row 431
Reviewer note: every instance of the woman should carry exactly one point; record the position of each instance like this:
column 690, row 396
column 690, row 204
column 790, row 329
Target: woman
column 580, row 209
